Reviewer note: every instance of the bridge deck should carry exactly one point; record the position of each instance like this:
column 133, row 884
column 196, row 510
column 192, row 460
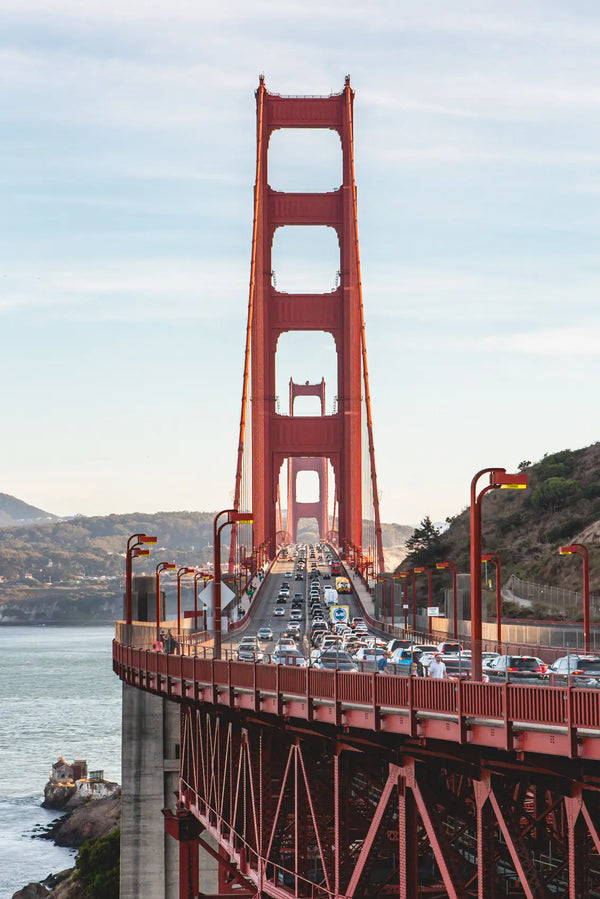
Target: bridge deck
column 554, row 721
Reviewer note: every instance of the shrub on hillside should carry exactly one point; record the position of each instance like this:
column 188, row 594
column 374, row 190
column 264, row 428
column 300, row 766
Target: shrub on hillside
column 98, row 866
column 558, row 465
column 554, row 493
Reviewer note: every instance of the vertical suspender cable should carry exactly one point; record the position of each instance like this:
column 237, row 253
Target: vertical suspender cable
column 238, row 474
column 378, row 539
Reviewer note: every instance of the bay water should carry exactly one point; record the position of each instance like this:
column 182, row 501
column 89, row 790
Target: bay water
column 58, row 696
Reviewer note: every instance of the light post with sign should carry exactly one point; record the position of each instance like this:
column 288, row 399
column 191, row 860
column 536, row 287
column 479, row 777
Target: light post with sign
column 233, row 516
column 498, row 478
column 421, row 570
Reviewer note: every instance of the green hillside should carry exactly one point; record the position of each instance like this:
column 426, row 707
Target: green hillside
column 525, row 527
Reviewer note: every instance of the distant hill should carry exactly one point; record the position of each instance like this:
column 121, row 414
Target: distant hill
column 73, row 570
column 525, row 527
column 14, row 511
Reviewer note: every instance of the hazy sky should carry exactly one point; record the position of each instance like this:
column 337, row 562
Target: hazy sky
column 127, row 164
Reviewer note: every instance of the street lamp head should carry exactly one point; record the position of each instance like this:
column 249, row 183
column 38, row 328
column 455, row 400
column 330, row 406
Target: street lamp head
column 141, row 552
column 240, row 516
column 166, row 566
column 143, row 538
column 570, row 550
column 186, row 571
column 404, row 573
column 442, row 565
column 421, row 569
column 500, row 478
column 488, row 557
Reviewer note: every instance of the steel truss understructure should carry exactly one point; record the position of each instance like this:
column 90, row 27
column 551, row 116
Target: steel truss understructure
column 312, row 812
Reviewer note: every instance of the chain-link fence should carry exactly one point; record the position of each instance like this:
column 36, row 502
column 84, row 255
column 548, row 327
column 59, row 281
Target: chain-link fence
column 557, row 598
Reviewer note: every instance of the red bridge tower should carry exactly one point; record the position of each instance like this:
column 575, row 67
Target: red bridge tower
column 335, row 438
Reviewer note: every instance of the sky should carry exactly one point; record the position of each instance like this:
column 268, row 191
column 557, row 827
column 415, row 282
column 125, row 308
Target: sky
column 127, row 162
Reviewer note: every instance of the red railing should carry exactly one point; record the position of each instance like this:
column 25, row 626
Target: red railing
column 565, row 709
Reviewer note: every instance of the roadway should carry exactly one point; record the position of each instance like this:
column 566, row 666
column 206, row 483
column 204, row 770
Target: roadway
column 286, row 570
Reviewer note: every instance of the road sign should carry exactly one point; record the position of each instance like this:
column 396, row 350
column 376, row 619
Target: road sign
column 339, row 613
column 433, row 611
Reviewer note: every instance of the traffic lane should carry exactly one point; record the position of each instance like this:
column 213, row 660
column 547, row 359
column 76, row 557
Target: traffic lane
column 262, row 610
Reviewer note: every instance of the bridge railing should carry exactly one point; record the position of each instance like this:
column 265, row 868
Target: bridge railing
column 558, row 706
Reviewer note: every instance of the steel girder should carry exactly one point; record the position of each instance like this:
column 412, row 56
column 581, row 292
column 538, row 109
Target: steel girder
column 317, row 813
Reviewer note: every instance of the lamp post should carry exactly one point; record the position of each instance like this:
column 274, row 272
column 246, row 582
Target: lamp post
column 581, row 550
column 405, row 575
column 205, row 577
column 232, row 516
column 420, row 570
column 494, row 558
column 180, row 574
column 162, row 566
column 134, row 543
column 381, row 579
column 498, row 479
column 452, row 566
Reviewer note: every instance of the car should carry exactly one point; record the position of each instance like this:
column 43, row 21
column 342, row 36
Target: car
column 294, row 628
column 450, row 647
column 278, row 611
column 290, row 632
column 296, row 615
column 352, row 645
column 288, row 574
column 264, row 634
column 285, row 641
column 426, row 647
column 356, row 620
column 326, row 576
column 282, row 597
column 516, row 669
column 458, row 666
column 426, row 657
column 361, row 629
column 249, row 650
column 335, row 660
column 407, row 661
column 398, row 643
column 576, row 670
column 370, row 654
column 287, row 655
column 298, row 596
column 299, row 577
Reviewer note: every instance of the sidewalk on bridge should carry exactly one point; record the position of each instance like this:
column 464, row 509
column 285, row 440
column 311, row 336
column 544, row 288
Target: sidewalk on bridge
column 361, row 591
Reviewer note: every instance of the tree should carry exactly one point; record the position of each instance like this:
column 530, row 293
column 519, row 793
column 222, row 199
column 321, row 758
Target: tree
column 424, row 539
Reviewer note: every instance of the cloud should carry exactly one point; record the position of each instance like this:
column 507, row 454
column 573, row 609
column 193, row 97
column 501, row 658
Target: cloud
column 572, row 340
column 148, row 291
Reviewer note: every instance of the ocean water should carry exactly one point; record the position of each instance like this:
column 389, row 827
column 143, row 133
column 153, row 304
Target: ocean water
column 58, row 696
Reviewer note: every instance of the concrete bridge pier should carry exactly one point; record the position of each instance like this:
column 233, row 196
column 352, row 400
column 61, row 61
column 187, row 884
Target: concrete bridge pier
column 150, row 776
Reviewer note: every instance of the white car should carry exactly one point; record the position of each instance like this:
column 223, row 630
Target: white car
column 249, row 651
column 264, row 634
column 278, row 611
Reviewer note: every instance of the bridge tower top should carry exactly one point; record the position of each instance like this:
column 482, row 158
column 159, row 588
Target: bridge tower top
column 344, row 438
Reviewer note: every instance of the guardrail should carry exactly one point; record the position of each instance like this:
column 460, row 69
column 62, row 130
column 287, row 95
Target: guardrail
column 562, row 721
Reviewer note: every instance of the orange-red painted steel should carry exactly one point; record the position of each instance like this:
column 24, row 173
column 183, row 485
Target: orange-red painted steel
column 336, row 438
column 308, row 779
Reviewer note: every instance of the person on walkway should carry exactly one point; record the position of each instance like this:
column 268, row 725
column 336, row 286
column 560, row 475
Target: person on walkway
column 382, row 664
column 170, row 643
column 436, row 667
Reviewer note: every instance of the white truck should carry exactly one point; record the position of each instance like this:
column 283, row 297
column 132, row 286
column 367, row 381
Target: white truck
column 330, row 596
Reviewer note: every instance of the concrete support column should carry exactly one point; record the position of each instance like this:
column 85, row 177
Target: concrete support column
column 150, row 773
column 143, row 798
